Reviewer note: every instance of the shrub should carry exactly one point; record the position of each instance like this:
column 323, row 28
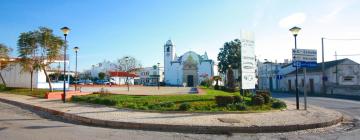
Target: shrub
column 278, row 104
column 184, row 106
column 2, row 87
column 206, row 82
column 240, row 107
column 257, row 100
column 266, row 98
column 154, row 107
column 216, row 87
column 222, row 101
column 238, row 99
column 167, row 104
column 258, row 92
column 108, row 102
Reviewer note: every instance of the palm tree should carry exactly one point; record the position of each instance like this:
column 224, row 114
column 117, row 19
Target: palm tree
column 50, row 46
column 27, row 48
column 4, row 59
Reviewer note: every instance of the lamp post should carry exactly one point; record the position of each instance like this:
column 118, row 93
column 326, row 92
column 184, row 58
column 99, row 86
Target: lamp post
column 295, row 31
column 66, row 31
column 158, row 78
column 76, row 49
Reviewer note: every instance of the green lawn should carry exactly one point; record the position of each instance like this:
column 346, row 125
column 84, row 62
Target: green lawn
column 40, row 93
column 195, row 103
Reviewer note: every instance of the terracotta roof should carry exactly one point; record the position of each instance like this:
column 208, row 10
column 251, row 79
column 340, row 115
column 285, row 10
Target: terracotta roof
column 122, row 74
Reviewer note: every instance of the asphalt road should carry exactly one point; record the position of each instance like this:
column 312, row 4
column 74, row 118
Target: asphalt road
column 19, row 124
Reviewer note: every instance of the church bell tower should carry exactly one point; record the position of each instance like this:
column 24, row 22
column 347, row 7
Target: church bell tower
column 169, row 55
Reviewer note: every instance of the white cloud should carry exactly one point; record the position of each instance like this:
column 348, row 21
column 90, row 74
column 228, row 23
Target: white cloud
column 332, row 15
column 292, row 20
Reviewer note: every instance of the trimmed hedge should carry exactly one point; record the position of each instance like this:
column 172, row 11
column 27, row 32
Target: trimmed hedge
column 278, row 104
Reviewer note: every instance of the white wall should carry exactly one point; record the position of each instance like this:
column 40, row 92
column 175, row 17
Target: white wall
column 15, row 77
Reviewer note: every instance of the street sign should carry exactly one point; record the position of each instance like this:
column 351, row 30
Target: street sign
column 304, row 58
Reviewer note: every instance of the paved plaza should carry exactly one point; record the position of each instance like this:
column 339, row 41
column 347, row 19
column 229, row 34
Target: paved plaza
column 138, row 90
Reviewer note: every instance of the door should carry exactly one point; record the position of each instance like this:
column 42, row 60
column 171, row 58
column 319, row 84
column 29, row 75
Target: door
column 190, row 80
column 311, row 86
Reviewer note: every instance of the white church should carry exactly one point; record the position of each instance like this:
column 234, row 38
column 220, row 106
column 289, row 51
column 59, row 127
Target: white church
column 188, row 69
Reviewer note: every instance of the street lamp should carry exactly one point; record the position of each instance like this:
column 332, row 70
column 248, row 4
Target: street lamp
column 76, row 49
column 66, row 31
column 295, row 31
column 158, row 79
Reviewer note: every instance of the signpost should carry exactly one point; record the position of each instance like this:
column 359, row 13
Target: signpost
column 304, row 58
column 248, row 63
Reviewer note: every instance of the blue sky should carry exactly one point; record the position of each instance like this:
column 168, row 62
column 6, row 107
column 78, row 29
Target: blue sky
column 110, row 29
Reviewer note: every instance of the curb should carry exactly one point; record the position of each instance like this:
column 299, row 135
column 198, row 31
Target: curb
column 175, row 128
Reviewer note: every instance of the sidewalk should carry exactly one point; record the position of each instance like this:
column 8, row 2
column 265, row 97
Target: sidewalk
column 97, row 115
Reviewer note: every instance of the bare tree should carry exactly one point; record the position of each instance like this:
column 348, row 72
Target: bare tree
column 128, row 64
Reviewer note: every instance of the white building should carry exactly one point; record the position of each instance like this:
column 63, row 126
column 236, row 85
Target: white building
column 188, row 69
column 14, row 76
column 150, row 76
column 120, row 77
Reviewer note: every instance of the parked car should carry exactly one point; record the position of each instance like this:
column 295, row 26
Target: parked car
column 85, row 82
column 102, row 82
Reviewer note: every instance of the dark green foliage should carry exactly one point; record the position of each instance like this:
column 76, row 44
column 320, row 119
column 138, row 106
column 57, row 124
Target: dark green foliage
column 263, row 92
column 206, row 82
column 155, row 107
column 266, row 98
column 101, row 75
column 184, row 106
column 167, row 104
column 216, row 87
column 240, row 106
column 222, row 101
column 257, row 100
column 2, row 87
column 229, row 55
column 238, row 99
column 278, row 104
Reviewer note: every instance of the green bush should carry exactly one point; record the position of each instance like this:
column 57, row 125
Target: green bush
column 184, row 106
column 257, row 100
column 206, row 82
column 266, row 98
column 278, row 104
column 154, row 107
column 216, row 87
column 240, row 106
column 238, row 99
column 108, row 102
column 167, row 104
column 258, row 92
column 2, row 87
column 222, row 101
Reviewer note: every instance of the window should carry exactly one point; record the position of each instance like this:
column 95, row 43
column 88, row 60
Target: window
column 348, row 78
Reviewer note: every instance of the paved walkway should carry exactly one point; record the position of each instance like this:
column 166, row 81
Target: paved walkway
column 295, row 119
column 139, row 90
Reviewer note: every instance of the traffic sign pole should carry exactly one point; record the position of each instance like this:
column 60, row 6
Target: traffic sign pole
column 305, row 88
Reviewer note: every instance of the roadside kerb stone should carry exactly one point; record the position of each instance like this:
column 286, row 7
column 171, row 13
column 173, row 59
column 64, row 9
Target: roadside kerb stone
column 188, row 128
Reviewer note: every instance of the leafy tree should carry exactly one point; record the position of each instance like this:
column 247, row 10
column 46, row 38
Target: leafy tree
column 38, row 49
column 229, row 55
column 50, row 46
column 27, row 48
column 101, row 75
column 4, row 59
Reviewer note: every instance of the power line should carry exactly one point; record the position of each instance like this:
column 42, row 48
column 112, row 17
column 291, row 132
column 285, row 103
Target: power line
column 348, row 55
column 344, row 39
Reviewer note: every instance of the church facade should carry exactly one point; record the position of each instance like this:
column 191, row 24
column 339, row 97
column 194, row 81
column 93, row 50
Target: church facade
column 188, row 69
